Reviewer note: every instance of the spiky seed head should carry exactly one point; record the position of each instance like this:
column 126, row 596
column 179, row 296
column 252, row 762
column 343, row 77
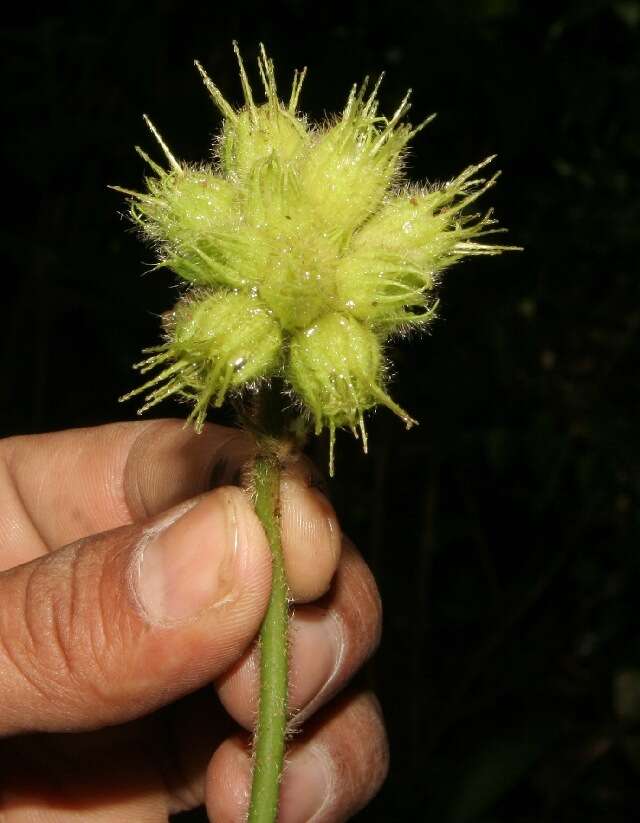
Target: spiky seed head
column 302, row 250
column 260, row 133
column 182, row 206
column 336, row 368
column 215, row 343
column 382, row 290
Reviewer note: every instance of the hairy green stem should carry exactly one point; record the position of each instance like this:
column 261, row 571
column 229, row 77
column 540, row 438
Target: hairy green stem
column 272, row 714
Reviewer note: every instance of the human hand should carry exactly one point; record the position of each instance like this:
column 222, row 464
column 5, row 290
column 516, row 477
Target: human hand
column 108, row 645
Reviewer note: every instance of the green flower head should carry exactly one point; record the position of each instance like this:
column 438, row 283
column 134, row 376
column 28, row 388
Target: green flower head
column 303, row 251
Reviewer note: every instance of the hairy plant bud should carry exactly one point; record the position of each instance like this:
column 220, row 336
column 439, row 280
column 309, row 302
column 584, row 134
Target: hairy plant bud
column 302, row 251
column 259, row 133
column 186, row 205
column 336, row 368
column 428, row 228
column 355, row 161
column 386, row 291
column 215, row 343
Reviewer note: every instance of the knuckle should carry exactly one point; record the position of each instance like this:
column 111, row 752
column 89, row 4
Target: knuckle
column 370, row 752
column 372, row 722
column 363, row 605
column 367, row 741
column 35, row 638
column 61, row 640
column 355, row 741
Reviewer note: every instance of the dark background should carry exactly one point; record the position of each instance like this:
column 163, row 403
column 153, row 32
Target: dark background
column 504, row 530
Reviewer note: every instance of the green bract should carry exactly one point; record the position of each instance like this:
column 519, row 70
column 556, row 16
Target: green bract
column 303, row 252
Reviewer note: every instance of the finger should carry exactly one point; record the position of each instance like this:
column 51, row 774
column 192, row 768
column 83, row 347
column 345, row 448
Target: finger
column 119, row 624
column 67, row 485
column 61, row 487
column 330, row 775
column 139, row 771
column 311, row 536
column 330, row 641
column 43, row 781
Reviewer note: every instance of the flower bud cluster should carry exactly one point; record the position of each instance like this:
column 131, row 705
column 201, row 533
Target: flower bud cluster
column 303, row 251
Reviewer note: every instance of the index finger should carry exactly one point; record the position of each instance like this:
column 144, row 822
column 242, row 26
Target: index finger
column 63, row 486
column 74, row 483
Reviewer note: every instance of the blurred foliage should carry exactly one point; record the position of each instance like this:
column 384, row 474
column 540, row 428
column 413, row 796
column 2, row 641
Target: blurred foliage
column 504, row 530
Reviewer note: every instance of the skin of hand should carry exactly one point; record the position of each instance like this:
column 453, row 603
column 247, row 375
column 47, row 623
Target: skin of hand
column 128, row 585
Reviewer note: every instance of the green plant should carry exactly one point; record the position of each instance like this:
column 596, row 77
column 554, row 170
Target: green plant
column 303, row 252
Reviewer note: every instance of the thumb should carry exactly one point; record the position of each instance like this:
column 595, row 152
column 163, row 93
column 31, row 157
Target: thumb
column 115, row 625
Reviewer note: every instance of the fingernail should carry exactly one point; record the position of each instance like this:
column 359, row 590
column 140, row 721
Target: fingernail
column 190, row 563
column 307, row 785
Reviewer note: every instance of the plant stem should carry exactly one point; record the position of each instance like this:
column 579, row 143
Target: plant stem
column 272, row 714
